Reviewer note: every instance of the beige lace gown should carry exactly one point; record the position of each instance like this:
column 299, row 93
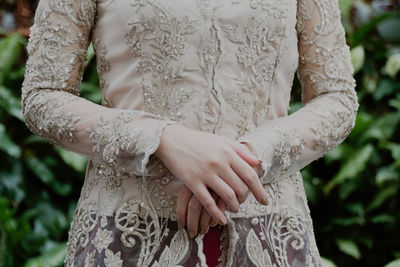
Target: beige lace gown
column 220, row 66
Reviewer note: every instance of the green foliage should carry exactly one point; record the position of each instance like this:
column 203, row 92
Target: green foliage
column 52, row 258
column 352, row 191
column 39, row 182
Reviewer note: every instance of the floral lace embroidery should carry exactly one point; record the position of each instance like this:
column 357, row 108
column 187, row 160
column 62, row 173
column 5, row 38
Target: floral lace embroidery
column 84, row 221
column 210, row 55
column 113, row 259
column 118, row 139
column 57, row 127
column 281, row 234
column 90, row 260
column 290, row 146
column 167, row 33
column 257, row 255
column 55, row 67
column 278, row 10
column 102, row 239
column 258, row 45
column 280, row 154
column 241, row 104
column 138, row 221
column 80, row 14
column 103, row 66
column 173, row 254
column 333, row 59
column 330, row 134
column 118, row 145
column 52, row 68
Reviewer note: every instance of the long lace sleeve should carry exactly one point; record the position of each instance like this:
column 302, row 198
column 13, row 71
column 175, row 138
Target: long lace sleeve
column 287, row 144
column 51, row 104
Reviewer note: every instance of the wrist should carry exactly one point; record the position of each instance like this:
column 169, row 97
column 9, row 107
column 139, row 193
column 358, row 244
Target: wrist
column 166, row 139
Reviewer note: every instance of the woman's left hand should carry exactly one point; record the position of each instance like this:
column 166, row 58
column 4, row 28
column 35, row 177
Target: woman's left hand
column 190, row 212
column 195, row 216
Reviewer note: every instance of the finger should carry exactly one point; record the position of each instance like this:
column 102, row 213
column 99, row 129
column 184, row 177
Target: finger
column 205, row 219
column 208, row 202
column 193, row 216
column 244, row 152
column 250, row 178
column 182, row 203
column 224, row 191
column 213, row 222
column 222, row 206
column 234, row 181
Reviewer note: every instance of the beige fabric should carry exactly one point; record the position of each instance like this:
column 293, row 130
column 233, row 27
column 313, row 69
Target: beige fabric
column 221, row 66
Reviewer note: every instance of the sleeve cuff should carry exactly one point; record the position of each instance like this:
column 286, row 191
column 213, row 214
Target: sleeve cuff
column 278, row 150
column 142, row 164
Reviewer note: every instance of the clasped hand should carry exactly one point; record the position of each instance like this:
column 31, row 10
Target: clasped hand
column 217, row 173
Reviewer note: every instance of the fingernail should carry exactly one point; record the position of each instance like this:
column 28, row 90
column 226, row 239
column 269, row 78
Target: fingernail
column 203, row 232
column 222, row 222
column 213, row 223
column 264, row 201
column 191, row 234
column 180, row 226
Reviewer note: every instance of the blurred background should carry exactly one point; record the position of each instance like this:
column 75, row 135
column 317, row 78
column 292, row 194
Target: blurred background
column 353, row 192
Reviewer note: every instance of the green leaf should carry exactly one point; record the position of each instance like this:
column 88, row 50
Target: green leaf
column 353, row 166
column 382, row 196
column 311, row 190
column 91, row 92
column 383, row 218
column 392, row 66
column 10, row 47
column 370, row 82
column 363, row 121
column 76, row 161
column 395, row 263
column 349, row 247
column 13, row 181
column 355, row 220
column 395, row 103
column 90, row 54
column 347, row 188
column 362, row 32
column 7, row 144
column 10, row 103
column 395, row 150
column 327, row 263
column 54, row 257
column 43, row 172
column 382, row 129
column 338, row 153
column 3, row 246
column 356, row 208
column 387, row 174
column 52, row 219
column 357, row 58
column 40, row 170
column 385, row 88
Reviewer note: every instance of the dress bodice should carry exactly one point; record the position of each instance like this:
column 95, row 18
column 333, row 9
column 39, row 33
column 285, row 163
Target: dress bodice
column 220, row 66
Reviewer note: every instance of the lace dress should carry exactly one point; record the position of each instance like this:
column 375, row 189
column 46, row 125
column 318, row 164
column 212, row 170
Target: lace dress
column 220, row 66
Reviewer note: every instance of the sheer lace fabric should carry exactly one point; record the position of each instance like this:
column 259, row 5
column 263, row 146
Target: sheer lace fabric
column 221, row 66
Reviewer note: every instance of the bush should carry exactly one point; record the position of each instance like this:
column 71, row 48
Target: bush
column 352, row 192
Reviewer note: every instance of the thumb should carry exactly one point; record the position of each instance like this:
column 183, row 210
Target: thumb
column 244, row 153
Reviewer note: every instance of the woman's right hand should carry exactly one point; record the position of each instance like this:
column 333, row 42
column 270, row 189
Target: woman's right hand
column 204, row 160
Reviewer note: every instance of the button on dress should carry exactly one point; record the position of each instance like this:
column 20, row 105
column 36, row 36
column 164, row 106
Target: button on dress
column 218, row 66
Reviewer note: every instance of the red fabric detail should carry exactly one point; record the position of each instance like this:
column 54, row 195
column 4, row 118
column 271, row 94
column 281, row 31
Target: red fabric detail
column 211, row 244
